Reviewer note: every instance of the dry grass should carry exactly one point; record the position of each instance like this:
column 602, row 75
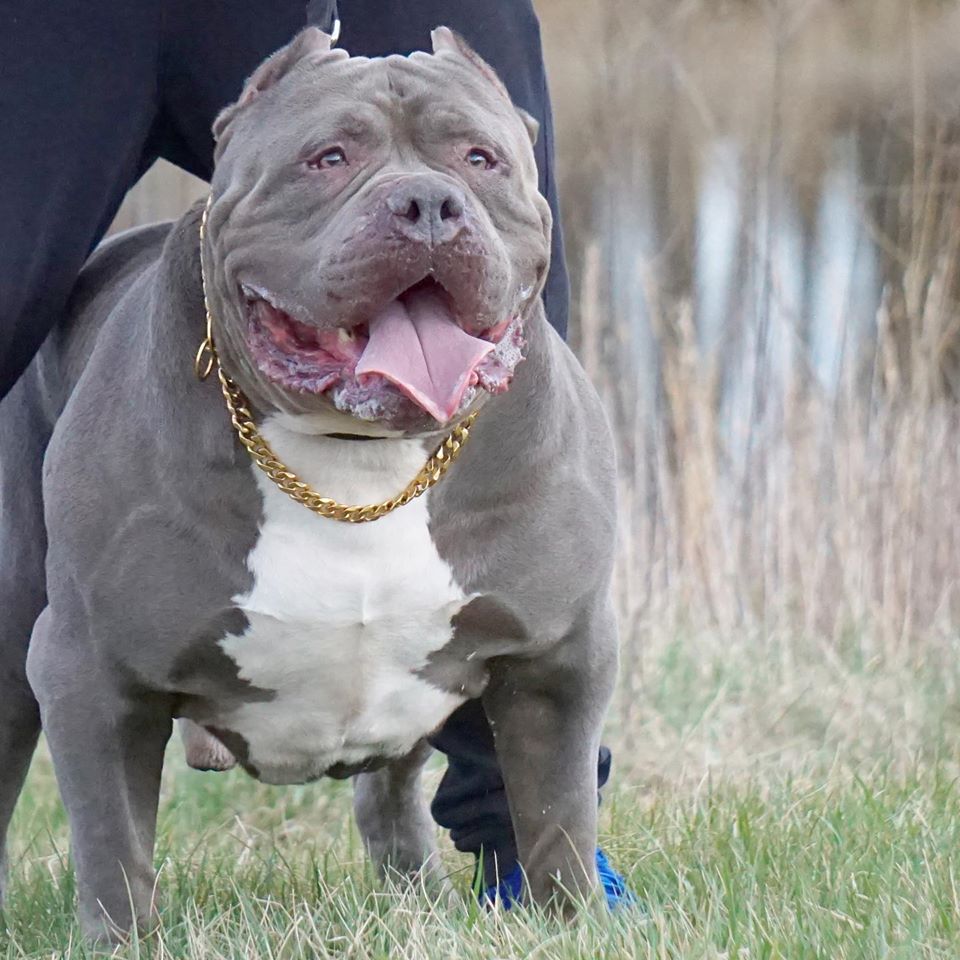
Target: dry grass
column 752, row 869
column 790, row 471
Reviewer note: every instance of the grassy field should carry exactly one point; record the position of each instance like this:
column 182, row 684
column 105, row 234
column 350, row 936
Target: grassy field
column 845, row 866
column 850, row 855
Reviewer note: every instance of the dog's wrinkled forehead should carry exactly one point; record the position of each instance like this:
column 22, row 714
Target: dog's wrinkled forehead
column 307, row 94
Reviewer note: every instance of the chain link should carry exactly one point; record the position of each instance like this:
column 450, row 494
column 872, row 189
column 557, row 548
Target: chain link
column 286, row 480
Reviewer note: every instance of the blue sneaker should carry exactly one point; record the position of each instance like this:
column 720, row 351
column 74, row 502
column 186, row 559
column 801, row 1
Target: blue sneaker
column 507, row 891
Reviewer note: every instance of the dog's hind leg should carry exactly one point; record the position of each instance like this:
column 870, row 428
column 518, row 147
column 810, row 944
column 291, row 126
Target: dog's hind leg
column 24, row 433
column 393, row 817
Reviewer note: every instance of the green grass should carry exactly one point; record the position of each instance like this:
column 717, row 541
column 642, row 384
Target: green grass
column 836, row 868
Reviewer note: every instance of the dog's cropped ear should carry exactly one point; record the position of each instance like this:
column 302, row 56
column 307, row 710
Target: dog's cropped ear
column 309, row 41
column 445, row 39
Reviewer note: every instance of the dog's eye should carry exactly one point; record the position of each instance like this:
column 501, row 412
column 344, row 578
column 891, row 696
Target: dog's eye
column 481, row 159
column 334, row 157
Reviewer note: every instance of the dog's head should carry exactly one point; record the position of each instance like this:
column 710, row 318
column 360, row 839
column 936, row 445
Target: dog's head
column 376, row 239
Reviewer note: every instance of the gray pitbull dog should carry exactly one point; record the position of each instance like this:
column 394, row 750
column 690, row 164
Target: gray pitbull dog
column 374, row 256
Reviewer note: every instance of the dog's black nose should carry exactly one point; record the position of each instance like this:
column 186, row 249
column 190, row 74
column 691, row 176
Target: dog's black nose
column 427, row 210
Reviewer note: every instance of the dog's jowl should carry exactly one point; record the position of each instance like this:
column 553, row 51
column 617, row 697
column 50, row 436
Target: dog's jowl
column 393, row 492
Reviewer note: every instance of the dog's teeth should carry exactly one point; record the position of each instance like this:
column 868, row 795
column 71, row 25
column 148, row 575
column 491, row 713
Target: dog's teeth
column 345, row 336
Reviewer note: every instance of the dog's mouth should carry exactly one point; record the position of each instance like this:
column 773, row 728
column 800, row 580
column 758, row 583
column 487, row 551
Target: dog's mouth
column 410, row 351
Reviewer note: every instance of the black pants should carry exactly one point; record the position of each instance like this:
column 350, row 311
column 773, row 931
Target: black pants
column 91, row 94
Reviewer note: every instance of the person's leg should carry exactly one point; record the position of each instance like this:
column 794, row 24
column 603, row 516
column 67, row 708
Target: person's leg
column 209, row 50
column 77, row 95
column 471, row 801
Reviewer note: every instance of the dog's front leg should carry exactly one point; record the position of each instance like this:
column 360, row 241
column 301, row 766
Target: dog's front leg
column 107, row 741
column 546, row 715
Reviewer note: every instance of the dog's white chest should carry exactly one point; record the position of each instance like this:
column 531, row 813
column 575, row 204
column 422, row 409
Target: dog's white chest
column 341, row 616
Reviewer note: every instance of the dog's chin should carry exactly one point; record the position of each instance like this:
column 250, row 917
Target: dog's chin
column 352, row 370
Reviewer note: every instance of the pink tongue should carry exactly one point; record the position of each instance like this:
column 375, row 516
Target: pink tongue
column 418, row 346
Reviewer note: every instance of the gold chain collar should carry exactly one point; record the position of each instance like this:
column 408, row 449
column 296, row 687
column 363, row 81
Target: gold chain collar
column 286, row 480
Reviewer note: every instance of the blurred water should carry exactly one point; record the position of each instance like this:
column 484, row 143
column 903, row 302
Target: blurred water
column 776, row 293
column 817, row 287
